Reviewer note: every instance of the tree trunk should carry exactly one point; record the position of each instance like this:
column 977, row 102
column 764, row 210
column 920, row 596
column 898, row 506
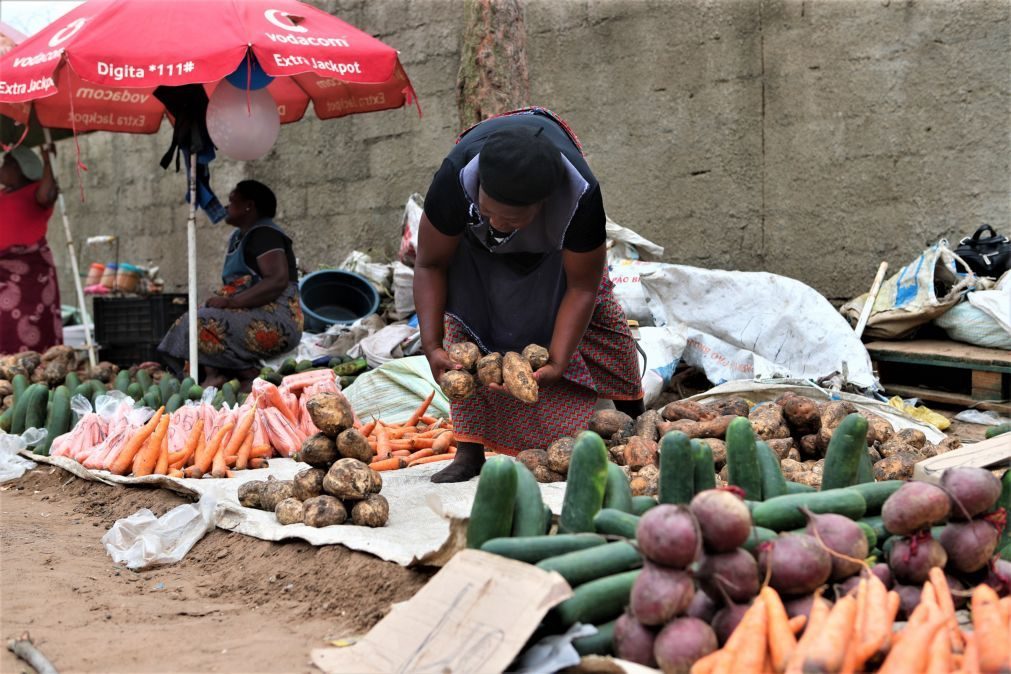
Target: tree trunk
column 493, row 75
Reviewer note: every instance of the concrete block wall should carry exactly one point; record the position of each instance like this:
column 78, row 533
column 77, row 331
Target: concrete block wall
column 811, row 138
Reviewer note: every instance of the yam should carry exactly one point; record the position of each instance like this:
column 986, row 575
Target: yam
column 319, row 451
column 372, row 511
column 640, row 452
column 768, row 422
column 489, row 369
column 686, row 409
column 249, row 493
column 792, row 454
column 331, row 413
column 781, row 400
column 734, row 407
column 780, row 446
column 912, row 437
column 308, row 484
column 351, row 444
column 545, row 475
column 646, row 425
column 559, row 454
column 324, row 511
column 518, row 378
column 376, row 482
column 290, row 511
column 103, row 372
column 712, row 428
column 607, row 423
column 686, row 426
column 457, row 384
column 801, row 414
column 536, row 355
column 898, row 466
column 274, row 492
column 533, row 458
column 348, row 480
column 465, row 354
column 895, row 446
column 719, row 448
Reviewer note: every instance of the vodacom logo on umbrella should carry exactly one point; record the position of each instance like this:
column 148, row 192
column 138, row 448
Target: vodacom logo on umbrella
column 273, row 16
column 67, row 32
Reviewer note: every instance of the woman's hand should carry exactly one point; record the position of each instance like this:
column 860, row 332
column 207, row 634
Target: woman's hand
column 219, row 303
column 439, row 361
column 549, row 374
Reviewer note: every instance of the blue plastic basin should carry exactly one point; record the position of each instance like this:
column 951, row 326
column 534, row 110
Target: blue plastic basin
column 333, row 296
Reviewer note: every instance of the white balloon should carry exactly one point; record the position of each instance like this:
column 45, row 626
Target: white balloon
column 243, row 125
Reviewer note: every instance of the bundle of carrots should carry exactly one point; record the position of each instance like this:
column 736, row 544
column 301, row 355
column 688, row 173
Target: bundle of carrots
column 418, row 440
column 857, row 635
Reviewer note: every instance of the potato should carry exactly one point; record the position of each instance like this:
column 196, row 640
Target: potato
column 274, row 492
column 651, row 474
column 878, row 428
column 768, row 422
column 640, row 452
column 8, row 401
column 489, row 369
column 912, row 437
column 465, row 354
column 719, row 448
column 927, row 451
column 606, row 423
column 249, row 493
column 947, row 444
column 833, row 412
column 533, row 458
column 331, row 412
column 792, row 454
column 559, row 453
column 616, row 454
column 324, row 511
column 895, row 446
column 308, row 483
column 898, row 466
column 348, row 480
column 735, row 407
column 639, row 486
column 290, row 511
column 801, row 414
column 810, row 445
column 319, row 451
column 519, row 378
column 536, row 355
column 373, row 511
column 376, row 484
column 780, row 446
column 781, row 400
column 686, row 409
column 457, row 384
column 808, row 477
column 351, row 444
column 646, row 425
column 544, row 474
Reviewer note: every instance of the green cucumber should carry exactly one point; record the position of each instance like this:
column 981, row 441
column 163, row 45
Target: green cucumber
column 185, row 385
column 97, row 389
column 640, row 504
column 135, row 391
column 611, row 522
column 532, row 549
column 195, row 393
column 303, row 365
column 143, row 378
column 842, row 458
column 167, row 386
column 491, row 515
column 742, row 459
column 601, row 643
column 72, row 380
column 773, row 482
column 20, row 384
column 583, row 566
column 528, row 510
column 865, row 469
column 58, row 422
column 877, row 524
column 7, row 419
column 597, row 601
column 36, row 406
column 83, row 390
column 869, row 533
column 155, row 391
column 798, row 488
column 704, row 465
column 287, row 367
column 617, row 492
column 677, row 469
column 782, row 513
column 152, row 400
column 122, row 381
column 876, row 493
column 585, row 484
column 999, row 429
column 218, row 400
column 228, row 395
column 1005, row 502
column 758, row 536
column 548, row 520
column 274, row 378
column 351, row 367
column 174, row 402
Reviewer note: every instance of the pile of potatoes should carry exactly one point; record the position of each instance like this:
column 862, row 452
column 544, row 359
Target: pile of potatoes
column 338, row 485
column 515, row 371
column 798, row 429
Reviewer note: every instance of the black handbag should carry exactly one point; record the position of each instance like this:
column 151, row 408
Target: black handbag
column 986, row 255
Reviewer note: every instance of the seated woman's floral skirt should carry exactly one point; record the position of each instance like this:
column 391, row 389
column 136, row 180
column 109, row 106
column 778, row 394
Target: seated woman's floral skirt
column 237, row 339
column 29, row 299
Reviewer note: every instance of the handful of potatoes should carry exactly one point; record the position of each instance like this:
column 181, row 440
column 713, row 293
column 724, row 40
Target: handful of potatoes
column 515, row 371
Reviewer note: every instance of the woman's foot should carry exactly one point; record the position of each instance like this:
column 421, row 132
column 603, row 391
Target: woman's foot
column 246, row 378
column 467, row 464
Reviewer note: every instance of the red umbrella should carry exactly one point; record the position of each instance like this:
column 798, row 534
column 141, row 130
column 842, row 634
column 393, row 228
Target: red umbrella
column 96, row 69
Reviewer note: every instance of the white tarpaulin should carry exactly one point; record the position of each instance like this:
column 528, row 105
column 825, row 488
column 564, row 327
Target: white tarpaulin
column 747, row 325
column 418, row 532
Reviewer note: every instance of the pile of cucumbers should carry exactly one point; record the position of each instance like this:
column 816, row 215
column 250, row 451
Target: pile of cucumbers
column 347, row 369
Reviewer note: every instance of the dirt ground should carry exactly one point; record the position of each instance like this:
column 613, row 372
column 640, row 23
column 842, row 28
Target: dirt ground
column 234, row 604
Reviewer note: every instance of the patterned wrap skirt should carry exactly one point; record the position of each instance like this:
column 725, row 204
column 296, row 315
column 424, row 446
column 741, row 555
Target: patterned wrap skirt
column 605, row 365
column 237, row 339
column 29, row 299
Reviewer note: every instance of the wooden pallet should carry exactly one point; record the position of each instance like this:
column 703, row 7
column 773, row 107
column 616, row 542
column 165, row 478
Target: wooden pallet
column 946, row 372
column 992, row 453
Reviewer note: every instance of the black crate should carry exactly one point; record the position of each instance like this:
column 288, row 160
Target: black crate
column 129, row 355
column 131, row 321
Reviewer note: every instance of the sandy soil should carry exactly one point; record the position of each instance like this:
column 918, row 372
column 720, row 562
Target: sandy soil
column 234, row 604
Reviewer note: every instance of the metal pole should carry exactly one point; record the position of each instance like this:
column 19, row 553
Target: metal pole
column 191, row 245
column 92, row 358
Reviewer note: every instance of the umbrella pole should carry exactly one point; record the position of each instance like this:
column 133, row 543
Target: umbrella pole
column 92, row 359
column 191, row 250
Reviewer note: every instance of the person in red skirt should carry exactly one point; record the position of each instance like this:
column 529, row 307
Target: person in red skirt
column 29, row 294
column 511, row 252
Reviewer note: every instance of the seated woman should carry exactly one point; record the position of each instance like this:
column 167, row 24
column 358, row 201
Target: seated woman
column 256, row 314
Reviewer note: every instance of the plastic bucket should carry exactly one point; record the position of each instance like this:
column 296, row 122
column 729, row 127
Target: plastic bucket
column 335, row 296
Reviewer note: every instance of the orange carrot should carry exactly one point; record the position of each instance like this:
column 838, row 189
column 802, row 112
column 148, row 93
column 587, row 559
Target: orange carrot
column 428, row 420
column 273, row 398
column 815, row 623
column 939, row 658
column 911, row 652
column 875, row 629
column 401, row 453
column 394, row 463
column 797, row 623
column 176, row 473
column 242, row 429
column 247, row 447
column 750, row 653
column 146, row 460
column 367, row 429
column 258, row 462
column 970, row 658
column 383, row 448
column 707, row 663
column 262, row 452
column 183, row 455
column 431, row 459
column 420, row 412
column 219, row 464
column 420, row 454
column 781, row 639
column 991, row 634
column 161, row 468
column 442, row 443
column 947, row 605
column 211, row 450
column 126, row 455
column 192, row 472
column 828, row 651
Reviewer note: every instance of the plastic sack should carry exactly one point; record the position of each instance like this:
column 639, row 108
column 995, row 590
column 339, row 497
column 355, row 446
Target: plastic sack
column 377, row 274
column 553, row 653
column 142, row 540
column 920, row 292
column 13, row 466
column 626, row 275
column 663, row 348
column 409, row 236
column 403, row 291
column 384, row 345
column 967, row 323
column 395, row 389
column 989, row 418
column 921, row 412
column 622, row 242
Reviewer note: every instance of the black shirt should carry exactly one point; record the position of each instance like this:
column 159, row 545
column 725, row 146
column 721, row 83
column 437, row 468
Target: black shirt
column 447, row 205
column 263, row 240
